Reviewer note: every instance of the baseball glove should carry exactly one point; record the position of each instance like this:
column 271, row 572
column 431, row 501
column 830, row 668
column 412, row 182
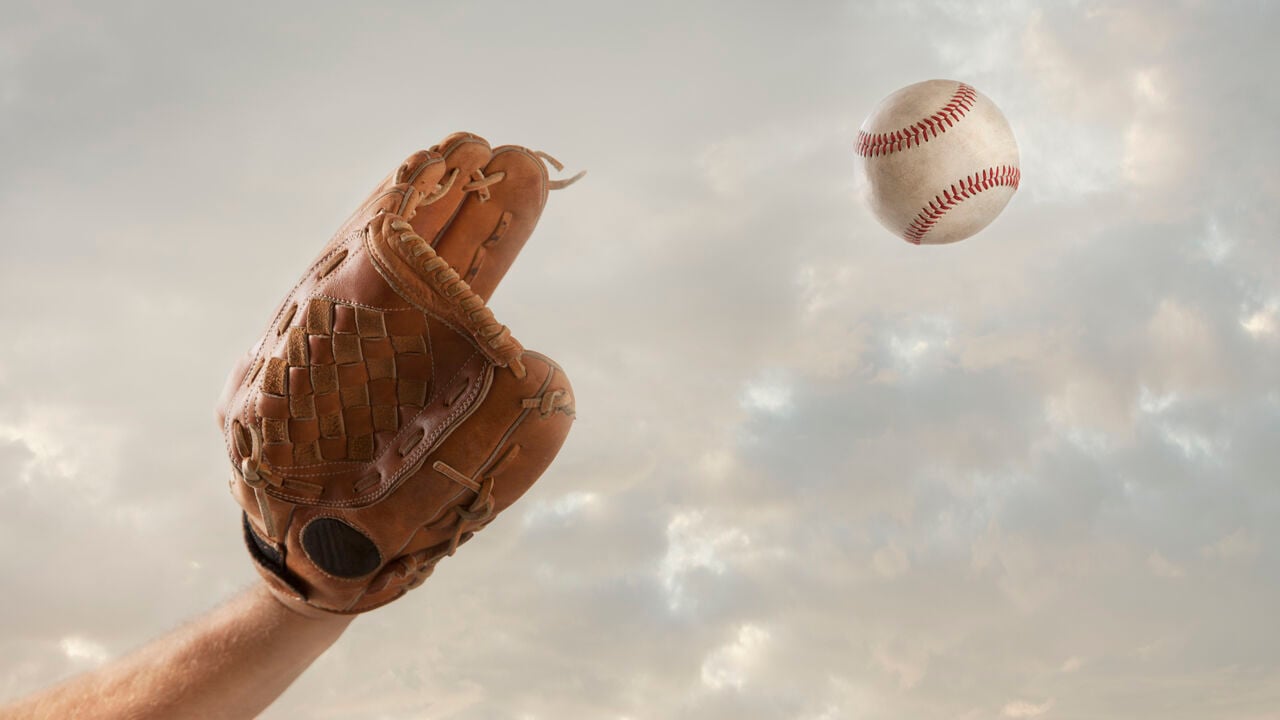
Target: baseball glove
column 385, row 415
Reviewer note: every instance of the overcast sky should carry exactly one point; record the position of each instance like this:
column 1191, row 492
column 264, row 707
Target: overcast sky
column 817, row 473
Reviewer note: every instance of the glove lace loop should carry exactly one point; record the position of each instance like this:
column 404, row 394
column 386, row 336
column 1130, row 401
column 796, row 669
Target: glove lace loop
column 480, row 183
column 475, row 515
column 417, row 567
column 557, row 400
column 442, row 188
column 558, row 184
column 249, row 444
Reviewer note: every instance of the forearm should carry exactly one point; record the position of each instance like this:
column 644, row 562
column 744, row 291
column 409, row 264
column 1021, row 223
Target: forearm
column 230, row 663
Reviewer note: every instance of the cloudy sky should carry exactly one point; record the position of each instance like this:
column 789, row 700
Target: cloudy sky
column 817, row 473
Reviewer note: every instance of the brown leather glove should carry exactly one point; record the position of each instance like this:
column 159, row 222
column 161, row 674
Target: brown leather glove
column 385, row 415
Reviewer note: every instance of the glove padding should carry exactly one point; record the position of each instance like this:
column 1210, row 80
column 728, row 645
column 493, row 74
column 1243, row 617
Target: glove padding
column 385, row 415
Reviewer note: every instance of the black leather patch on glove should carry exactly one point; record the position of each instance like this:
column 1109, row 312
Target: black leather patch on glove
column 339, row 549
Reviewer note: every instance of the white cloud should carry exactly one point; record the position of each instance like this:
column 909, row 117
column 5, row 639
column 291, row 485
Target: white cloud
column 1161, row 646
column 1261, row 322
column 909, row 349
column 67, row 446
column 1178, row 326
column 1065, row 141
column 756, row 161
column 1071, row 664
column 1153, row 152
column 1025, row 709
column 1160, row 566
column 694, row 544
column 561, row 509
column 1085, row 414
column 1217, row 244
column 1153, row 403
column 717, row 463
column 920, row 341
column 1150, row 86
column 830, row 712
column 48, row 451
column 821, row 287
column 905, row 660
column 769, row 393
column 83, row 650
column 1192, row 444
column 999, row 25
column 1183, row 348
column 1151, row 155
column 730, row 665
column 1239, row 545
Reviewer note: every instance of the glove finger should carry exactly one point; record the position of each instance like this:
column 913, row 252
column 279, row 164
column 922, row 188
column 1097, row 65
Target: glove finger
column 407, row 187
column 462, row 155
column 503, row 203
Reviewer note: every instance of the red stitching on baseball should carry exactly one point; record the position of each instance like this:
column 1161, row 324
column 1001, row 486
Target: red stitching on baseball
column 1000, row 176
column 874, row 145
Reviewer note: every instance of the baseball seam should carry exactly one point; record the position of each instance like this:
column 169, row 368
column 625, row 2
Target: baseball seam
column 965, row 188
column 877, row 144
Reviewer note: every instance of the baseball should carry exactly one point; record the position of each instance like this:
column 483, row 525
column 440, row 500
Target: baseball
column 938, row 161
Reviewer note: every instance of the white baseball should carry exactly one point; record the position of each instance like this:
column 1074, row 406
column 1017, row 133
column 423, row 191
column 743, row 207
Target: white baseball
column 939, row 161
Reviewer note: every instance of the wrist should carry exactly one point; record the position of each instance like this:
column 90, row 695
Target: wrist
column 291, row 608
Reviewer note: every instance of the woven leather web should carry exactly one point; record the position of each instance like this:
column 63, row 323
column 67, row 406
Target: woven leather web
column 348, row 375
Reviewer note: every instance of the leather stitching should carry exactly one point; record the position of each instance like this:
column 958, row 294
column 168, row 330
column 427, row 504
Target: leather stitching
column 877, row 144
column 965, row 188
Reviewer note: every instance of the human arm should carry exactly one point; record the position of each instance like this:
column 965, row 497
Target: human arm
column 229, row 663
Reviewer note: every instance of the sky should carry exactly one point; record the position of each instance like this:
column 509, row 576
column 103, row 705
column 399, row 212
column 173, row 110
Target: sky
column 817, row 473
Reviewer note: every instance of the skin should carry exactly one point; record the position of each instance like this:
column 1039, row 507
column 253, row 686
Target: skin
column 230, row 663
